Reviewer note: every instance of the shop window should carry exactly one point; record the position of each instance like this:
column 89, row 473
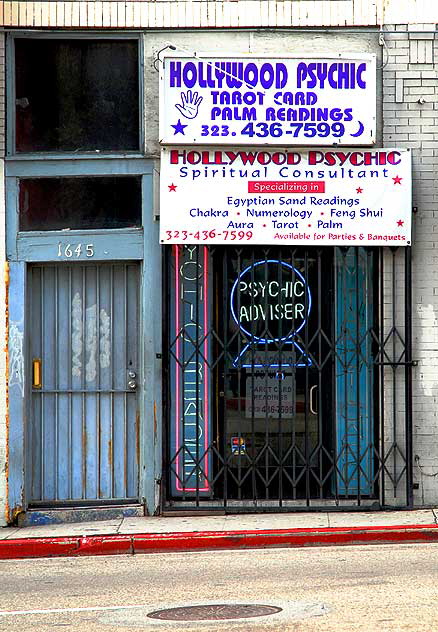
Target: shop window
column 76, row 95
column 79, row 203
column 272, row 373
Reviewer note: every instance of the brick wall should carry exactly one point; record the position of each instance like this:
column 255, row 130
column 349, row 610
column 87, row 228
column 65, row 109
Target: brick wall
column 410, row 118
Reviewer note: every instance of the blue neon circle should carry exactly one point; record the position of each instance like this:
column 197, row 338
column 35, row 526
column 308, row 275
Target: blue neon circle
column 309, row 296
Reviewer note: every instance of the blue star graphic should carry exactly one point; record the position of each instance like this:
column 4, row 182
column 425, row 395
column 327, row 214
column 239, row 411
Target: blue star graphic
column 179, row 128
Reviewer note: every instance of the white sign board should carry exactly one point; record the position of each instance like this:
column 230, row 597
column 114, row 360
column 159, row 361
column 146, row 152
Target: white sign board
column 246, row 100
column 259, row 196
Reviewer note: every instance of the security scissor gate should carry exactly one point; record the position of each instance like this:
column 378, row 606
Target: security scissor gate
column 288, row 374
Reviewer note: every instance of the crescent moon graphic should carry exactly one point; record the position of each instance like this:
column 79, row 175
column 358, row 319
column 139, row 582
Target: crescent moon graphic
column 360, row 130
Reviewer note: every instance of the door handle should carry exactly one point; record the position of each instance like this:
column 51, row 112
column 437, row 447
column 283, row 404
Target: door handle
column 36, row 373
column 311, row 408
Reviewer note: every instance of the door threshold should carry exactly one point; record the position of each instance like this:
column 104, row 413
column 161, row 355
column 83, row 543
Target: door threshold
column 63, row 515
column 210, row 508
column 185, row 512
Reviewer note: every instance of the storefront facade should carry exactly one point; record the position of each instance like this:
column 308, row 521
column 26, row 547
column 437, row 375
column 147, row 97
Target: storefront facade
column 149, row 373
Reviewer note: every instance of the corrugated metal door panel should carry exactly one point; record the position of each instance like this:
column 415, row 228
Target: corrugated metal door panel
column 83, row 428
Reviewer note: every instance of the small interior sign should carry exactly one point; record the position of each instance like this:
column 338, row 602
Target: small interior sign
column 269, row 396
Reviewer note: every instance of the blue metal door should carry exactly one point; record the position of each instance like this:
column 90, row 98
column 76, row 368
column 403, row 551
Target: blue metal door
column 83, row 431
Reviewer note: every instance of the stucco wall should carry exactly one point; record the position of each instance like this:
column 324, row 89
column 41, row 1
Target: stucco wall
column 269, row 41
column 3, row 412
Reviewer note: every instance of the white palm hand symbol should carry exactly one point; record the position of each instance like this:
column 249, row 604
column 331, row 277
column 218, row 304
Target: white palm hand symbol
column 190, row 104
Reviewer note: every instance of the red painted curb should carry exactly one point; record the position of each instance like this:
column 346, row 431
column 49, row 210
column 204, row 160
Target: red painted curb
column 208, row 540
column 105, row 545
column 155, row 543
column 37, row 547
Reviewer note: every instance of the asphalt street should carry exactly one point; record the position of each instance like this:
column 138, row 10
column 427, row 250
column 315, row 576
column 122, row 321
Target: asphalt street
column 389, row 588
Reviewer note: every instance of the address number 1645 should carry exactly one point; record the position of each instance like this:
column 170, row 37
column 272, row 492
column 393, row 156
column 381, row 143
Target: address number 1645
column 75, row 250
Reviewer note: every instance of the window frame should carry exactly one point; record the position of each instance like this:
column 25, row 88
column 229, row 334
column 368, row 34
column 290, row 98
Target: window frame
column 115, row 213
column 11, row 150
column 112, row 243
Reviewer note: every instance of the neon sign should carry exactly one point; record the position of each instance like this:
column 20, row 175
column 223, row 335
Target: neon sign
column 270, row 303
column 190, row 373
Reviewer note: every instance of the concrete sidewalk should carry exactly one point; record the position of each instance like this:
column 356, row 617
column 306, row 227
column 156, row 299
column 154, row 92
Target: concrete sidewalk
column 157, row 534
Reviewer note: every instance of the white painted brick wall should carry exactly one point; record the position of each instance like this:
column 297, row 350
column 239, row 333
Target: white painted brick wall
column 412, row 124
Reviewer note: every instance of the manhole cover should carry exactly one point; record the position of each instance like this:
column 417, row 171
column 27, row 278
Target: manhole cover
column 214, row 612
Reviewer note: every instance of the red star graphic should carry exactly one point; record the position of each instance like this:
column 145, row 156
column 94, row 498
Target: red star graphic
column 359, row 190
column 172, row 187
column 397, row 180
column 400, row 222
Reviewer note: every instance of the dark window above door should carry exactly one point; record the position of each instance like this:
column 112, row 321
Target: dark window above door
column 76, row 95
column 79, row 203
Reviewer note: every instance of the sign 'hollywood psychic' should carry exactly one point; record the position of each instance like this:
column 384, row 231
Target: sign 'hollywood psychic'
column 274, row 196
column 246, row 100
